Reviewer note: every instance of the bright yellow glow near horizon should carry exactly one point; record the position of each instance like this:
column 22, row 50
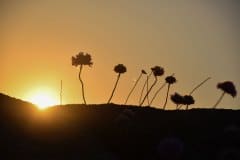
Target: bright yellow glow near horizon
column 42, row 98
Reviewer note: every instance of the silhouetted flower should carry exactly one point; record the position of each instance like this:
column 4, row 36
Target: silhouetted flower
column 142, row 72
column 227, row 87
column 177, row 99
column 157, row 71
column 195, row 88
column 169, row 80
column 156, row 93
column 82, row 59
column 120, row 69
column 188, row 100
column 79, row 60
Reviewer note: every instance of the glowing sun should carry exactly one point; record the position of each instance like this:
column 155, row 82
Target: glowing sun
column 43, row 99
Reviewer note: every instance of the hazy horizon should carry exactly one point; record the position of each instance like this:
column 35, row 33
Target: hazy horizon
column 193, row 39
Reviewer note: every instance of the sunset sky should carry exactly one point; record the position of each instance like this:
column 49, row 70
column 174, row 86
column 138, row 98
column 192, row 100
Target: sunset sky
column 192, row 38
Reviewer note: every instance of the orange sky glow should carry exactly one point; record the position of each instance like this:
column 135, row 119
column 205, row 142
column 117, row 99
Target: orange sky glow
column 193, row 39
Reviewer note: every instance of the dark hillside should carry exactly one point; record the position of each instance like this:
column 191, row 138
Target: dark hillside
column 110, row 131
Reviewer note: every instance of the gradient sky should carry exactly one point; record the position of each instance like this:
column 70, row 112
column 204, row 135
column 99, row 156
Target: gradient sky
column 192, row 38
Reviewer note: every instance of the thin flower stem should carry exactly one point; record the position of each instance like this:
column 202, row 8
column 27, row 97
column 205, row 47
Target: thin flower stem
column 115, row 86
column 148, row 88
column 180, row 106
column 140, row 98
column 156, row 93
column 149, row 91
column 199, row 85
column 164, row 106
column 133, row 88
column 195, row 88
column 219, row 100
column 80, row 79
column 145, row 83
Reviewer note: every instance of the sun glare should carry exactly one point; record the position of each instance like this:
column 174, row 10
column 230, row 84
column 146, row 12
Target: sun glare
column 43, row 99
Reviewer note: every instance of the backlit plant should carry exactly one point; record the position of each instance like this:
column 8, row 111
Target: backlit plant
column 157, row 71
column 177, row 99
column 120, row 69
column 143, row 72
column 227, row 87
column 169, row 80
column 80, row 60
column 188, row 100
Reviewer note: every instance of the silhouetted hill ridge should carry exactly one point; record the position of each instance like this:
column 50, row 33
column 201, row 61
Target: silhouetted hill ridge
column 111, row 131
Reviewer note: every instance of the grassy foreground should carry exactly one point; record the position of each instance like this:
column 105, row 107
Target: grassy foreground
column 116, row 132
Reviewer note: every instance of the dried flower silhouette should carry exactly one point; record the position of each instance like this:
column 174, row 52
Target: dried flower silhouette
column 156, row 93
column 169, row 80
column 134, row 86
column 177, row 99
column 188, row 100
column 152, row 69
column 120, row 69
column 195, row 88
column 157, row 71
column 80, row 60
column 227, row 87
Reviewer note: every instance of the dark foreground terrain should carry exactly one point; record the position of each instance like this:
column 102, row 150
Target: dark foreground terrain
column 115, row 132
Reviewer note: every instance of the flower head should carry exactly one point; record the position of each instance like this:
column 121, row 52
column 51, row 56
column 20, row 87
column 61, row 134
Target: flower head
column 120, row 68
column 228, row 87
column 144, row 72
column 82, row 59
column 188, row 100
column 157, row 71
column 170, row 79
column 177, row 98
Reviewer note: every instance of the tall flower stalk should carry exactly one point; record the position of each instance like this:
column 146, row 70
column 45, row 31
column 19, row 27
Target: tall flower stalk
column 120, row 69
column 157, row 92
column 157, row 71
column 227, row 87
column 169, row 80
column 144, row 85
column 148, row 86
column 199, row 85
column 134, row 86
column 80, row 60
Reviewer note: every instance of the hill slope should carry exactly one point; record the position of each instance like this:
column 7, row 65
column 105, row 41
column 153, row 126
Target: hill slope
column 110, row 131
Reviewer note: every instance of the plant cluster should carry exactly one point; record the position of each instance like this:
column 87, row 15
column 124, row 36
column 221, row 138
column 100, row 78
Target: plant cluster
column 82, row 59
